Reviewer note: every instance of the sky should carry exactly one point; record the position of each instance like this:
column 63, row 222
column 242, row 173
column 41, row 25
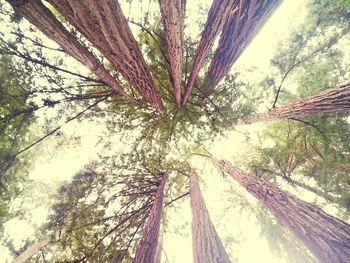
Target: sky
column 62, row 163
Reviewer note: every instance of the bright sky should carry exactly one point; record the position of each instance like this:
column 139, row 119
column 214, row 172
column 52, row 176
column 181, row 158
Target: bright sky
column 63, row 163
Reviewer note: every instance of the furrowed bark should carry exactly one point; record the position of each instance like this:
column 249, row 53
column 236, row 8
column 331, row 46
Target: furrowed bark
column 173, row 15
column 31, row 251
column 206, row 244
column 146, row 251
column 219, row 13
column 237, row 33
column 334, row 100
column 40, row 16
column 327, row 237
column 104, row 25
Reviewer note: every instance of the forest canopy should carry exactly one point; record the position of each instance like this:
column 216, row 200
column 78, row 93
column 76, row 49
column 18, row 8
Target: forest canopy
column 128, row 127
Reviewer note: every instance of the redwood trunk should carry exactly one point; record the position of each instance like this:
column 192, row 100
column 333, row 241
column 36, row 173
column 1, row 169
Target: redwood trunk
column 206, row 244
column 146, row 251
column 334, row 100
column 326, row 236
column 40, row 16
column 104, row 25
column 173, row 14
column 219, row 13
column 237, row 33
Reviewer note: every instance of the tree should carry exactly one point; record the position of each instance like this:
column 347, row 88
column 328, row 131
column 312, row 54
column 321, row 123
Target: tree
column 334, row 100
column 217, row 18
column 173, row 15
column 327, row 237
column 244, row 22
column 147, row 248
column 207, row 246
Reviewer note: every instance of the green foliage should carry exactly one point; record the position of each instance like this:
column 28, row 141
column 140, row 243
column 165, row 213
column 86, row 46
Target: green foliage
column 14, row 129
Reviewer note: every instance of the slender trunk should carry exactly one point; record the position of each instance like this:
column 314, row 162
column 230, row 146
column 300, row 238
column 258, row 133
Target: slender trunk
column 237, row 33
column 207, row 246
column 219, row 13
column 31, row 251
column 173, row 15
column 334, row 100
column 104, row 25
column 146, row 250
column 327, row 237
column 40, row 16
column 318, row 192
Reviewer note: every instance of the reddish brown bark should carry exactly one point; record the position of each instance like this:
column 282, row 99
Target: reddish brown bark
column 173, row 14
column 219, row 13
column 237, row 33
column 334, row 100
column 104, row 25
column 40, row 16
column 206, row 244
column 327, row 237
column 146, row 251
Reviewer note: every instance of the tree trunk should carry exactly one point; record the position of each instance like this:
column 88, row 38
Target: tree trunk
column 334, row 100
column 326, row 236
column 146, row 251
column 219, row 13
column 40, row 16
column 318, row 192
column 104, row 25
column 207, row 246
column 173, row 15
column 294, row 183
column 237, row 33
column 31, row 251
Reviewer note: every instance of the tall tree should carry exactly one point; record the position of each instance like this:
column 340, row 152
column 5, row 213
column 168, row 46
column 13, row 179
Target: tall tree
column 327, row 237
column 218, row 15
column 39, row 15
column 237, row 33
column 105, row 26
column 207, row 246
column 173, row 15
column 147, row 248
column 334, row 100
column 132, row 66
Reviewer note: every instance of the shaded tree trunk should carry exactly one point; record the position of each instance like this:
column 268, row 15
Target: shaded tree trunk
column 318, row 192
column 219, row 13
column 207, row 246
column 334, row 100
column 40, row 16
column 237, row 33
column 146, row 251
column 31, row 251
column 327, row 237
column 104, row 25
column 173, row 15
